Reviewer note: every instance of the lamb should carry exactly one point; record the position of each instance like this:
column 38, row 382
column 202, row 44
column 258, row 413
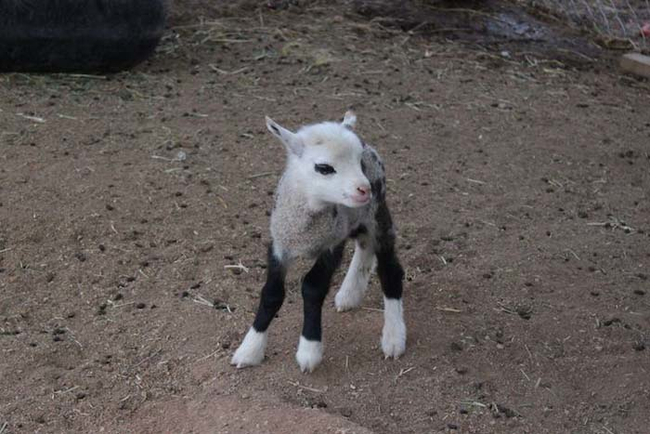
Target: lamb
column 333, row 188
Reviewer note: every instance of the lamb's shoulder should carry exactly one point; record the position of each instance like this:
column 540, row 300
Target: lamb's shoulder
column 301, row 232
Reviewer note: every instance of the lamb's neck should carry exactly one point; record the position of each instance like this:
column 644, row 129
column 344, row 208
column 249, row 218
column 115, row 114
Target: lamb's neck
column 292, row 184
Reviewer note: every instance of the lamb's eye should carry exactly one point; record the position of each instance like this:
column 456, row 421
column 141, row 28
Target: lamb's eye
column 324, row 169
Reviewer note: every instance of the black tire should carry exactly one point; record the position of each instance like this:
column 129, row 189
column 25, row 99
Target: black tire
column 78, row 35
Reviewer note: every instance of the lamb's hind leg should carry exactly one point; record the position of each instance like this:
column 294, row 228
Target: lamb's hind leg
column 251, row 350
column 314, row 290
column 356, row 279
column 391, row 275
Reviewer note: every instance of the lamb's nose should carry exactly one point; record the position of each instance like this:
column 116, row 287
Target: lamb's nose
column 363, row 190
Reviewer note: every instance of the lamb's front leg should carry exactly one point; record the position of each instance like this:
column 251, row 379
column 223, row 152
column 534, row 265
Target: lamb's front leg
column 251, row 350
column 391, row 275
column 314, row 290
column 356, row 279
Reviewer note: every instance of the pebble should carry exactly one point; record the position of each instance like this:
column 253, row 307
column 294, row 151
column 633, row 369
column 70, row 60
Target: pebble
column 455, row 346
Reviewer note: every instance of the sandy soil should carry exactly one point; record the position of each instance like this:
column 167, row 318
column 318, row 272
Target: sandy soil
column 519, row 180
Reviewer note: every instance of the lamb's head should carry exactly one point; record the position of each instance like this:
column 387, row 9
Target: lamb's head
column 325, row 160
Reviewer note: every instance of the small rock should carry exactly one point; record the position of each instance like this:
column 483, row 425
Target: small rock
column 506, row 411
column 524, row 312
column 220, row 305
column 101, row 310
column 140, row 306
column 206, row 248
column 639, row 292
column 611, row 321
column 319, row 403
column 455, row 346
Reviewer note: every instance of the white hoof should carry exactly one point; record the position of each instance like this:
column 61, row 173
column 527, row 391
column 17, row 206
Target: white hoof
column 347, row 299
column 251, row 350
column 393, row 338
column 309, row 355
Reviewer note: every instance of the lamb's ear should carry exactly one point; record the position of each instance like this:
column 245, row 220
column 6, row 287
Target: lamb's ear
column 291, row 141
column 349, row 120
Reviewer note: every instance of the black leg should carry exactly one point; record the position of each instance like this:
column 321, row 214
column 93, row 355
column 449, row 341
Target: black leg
column 391, row 275
column 389, row 269
column 314, row 290
column 272, row 293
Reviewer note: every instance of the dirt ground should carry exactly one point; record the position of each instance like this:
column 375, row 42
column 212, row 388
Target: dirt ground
column 134, row 216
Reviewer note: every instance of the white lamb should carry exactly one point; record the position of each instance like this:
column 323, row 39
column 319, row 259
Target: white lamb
column 333, row 188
